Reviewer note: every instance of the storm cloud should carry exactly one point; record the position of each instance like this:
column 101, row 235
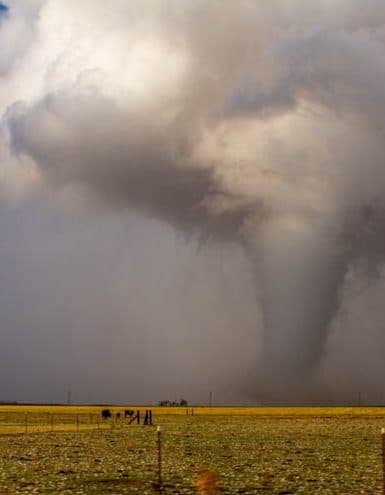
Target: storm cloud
column 254, row 129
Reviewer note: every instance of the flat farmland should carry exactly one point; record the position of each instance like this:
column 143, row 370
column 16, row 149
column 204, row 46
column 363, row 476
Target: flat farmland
column 250, row 451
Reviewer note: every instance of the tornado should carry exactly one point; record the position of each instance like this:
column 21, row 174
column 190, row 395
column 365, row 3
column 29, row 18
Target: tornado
column 253, row 123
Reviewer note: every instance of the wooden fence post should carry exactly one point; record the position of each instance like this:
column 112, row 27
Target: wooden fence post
column 159, row 446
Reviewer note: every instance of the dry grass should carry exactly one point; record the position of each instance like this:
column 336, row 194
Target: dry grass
column 278, row 411
column 202, row 411
column 45, row 418
column 207, row 483
column 38, row 419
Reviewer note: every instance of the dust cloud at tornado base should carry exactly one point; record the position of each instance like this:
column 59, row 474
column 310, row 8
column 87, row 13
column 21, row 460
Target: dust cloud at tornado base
column 249, row 132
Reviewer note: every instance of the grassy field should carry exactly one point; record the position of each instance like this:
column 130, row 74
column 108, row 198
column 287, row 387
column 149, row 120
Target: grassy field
column 252, row 451
column 215, row 411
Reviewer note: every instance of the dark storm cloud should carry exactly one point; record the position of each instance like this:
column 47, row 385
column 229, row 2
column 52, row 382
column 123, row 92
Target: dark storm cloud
column 259, row 123
column 127, row 156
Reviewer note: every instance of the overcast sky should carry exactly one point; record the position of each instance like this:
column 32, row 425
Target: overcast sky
column 192, row 199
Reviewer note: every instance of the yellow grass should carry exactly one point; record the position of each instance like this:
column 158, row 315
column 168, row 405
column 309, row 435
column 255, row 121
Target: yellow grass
column 44, row 408
column 44, row 418
column 207, row 483
column 288, row 411
column 14, row 428
column 212, row 411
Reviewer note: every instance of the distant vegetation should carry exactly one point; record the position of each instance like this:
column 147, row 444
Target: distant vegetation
column 174, row 403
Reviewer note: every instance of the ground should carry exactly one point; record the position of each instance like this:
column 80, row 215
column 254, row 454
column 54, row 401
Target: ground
column 289, row 452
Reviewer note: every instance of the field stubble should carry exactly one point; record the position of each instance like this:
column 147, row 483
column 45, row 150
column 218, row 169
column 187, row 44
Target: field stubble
column 280, row 453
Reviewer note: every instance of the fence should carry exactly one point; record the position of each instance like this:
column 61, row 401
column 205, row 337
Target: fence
column 30, row 421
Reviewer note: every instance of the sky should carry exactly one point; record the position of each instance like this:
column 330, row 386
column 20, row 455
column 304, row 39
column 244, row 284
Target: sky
column 192, row 201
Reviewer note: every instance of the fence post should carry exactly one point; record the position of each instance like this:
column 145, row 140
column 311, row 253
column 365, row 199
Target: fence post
column 138, row 417
column 159, row 446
